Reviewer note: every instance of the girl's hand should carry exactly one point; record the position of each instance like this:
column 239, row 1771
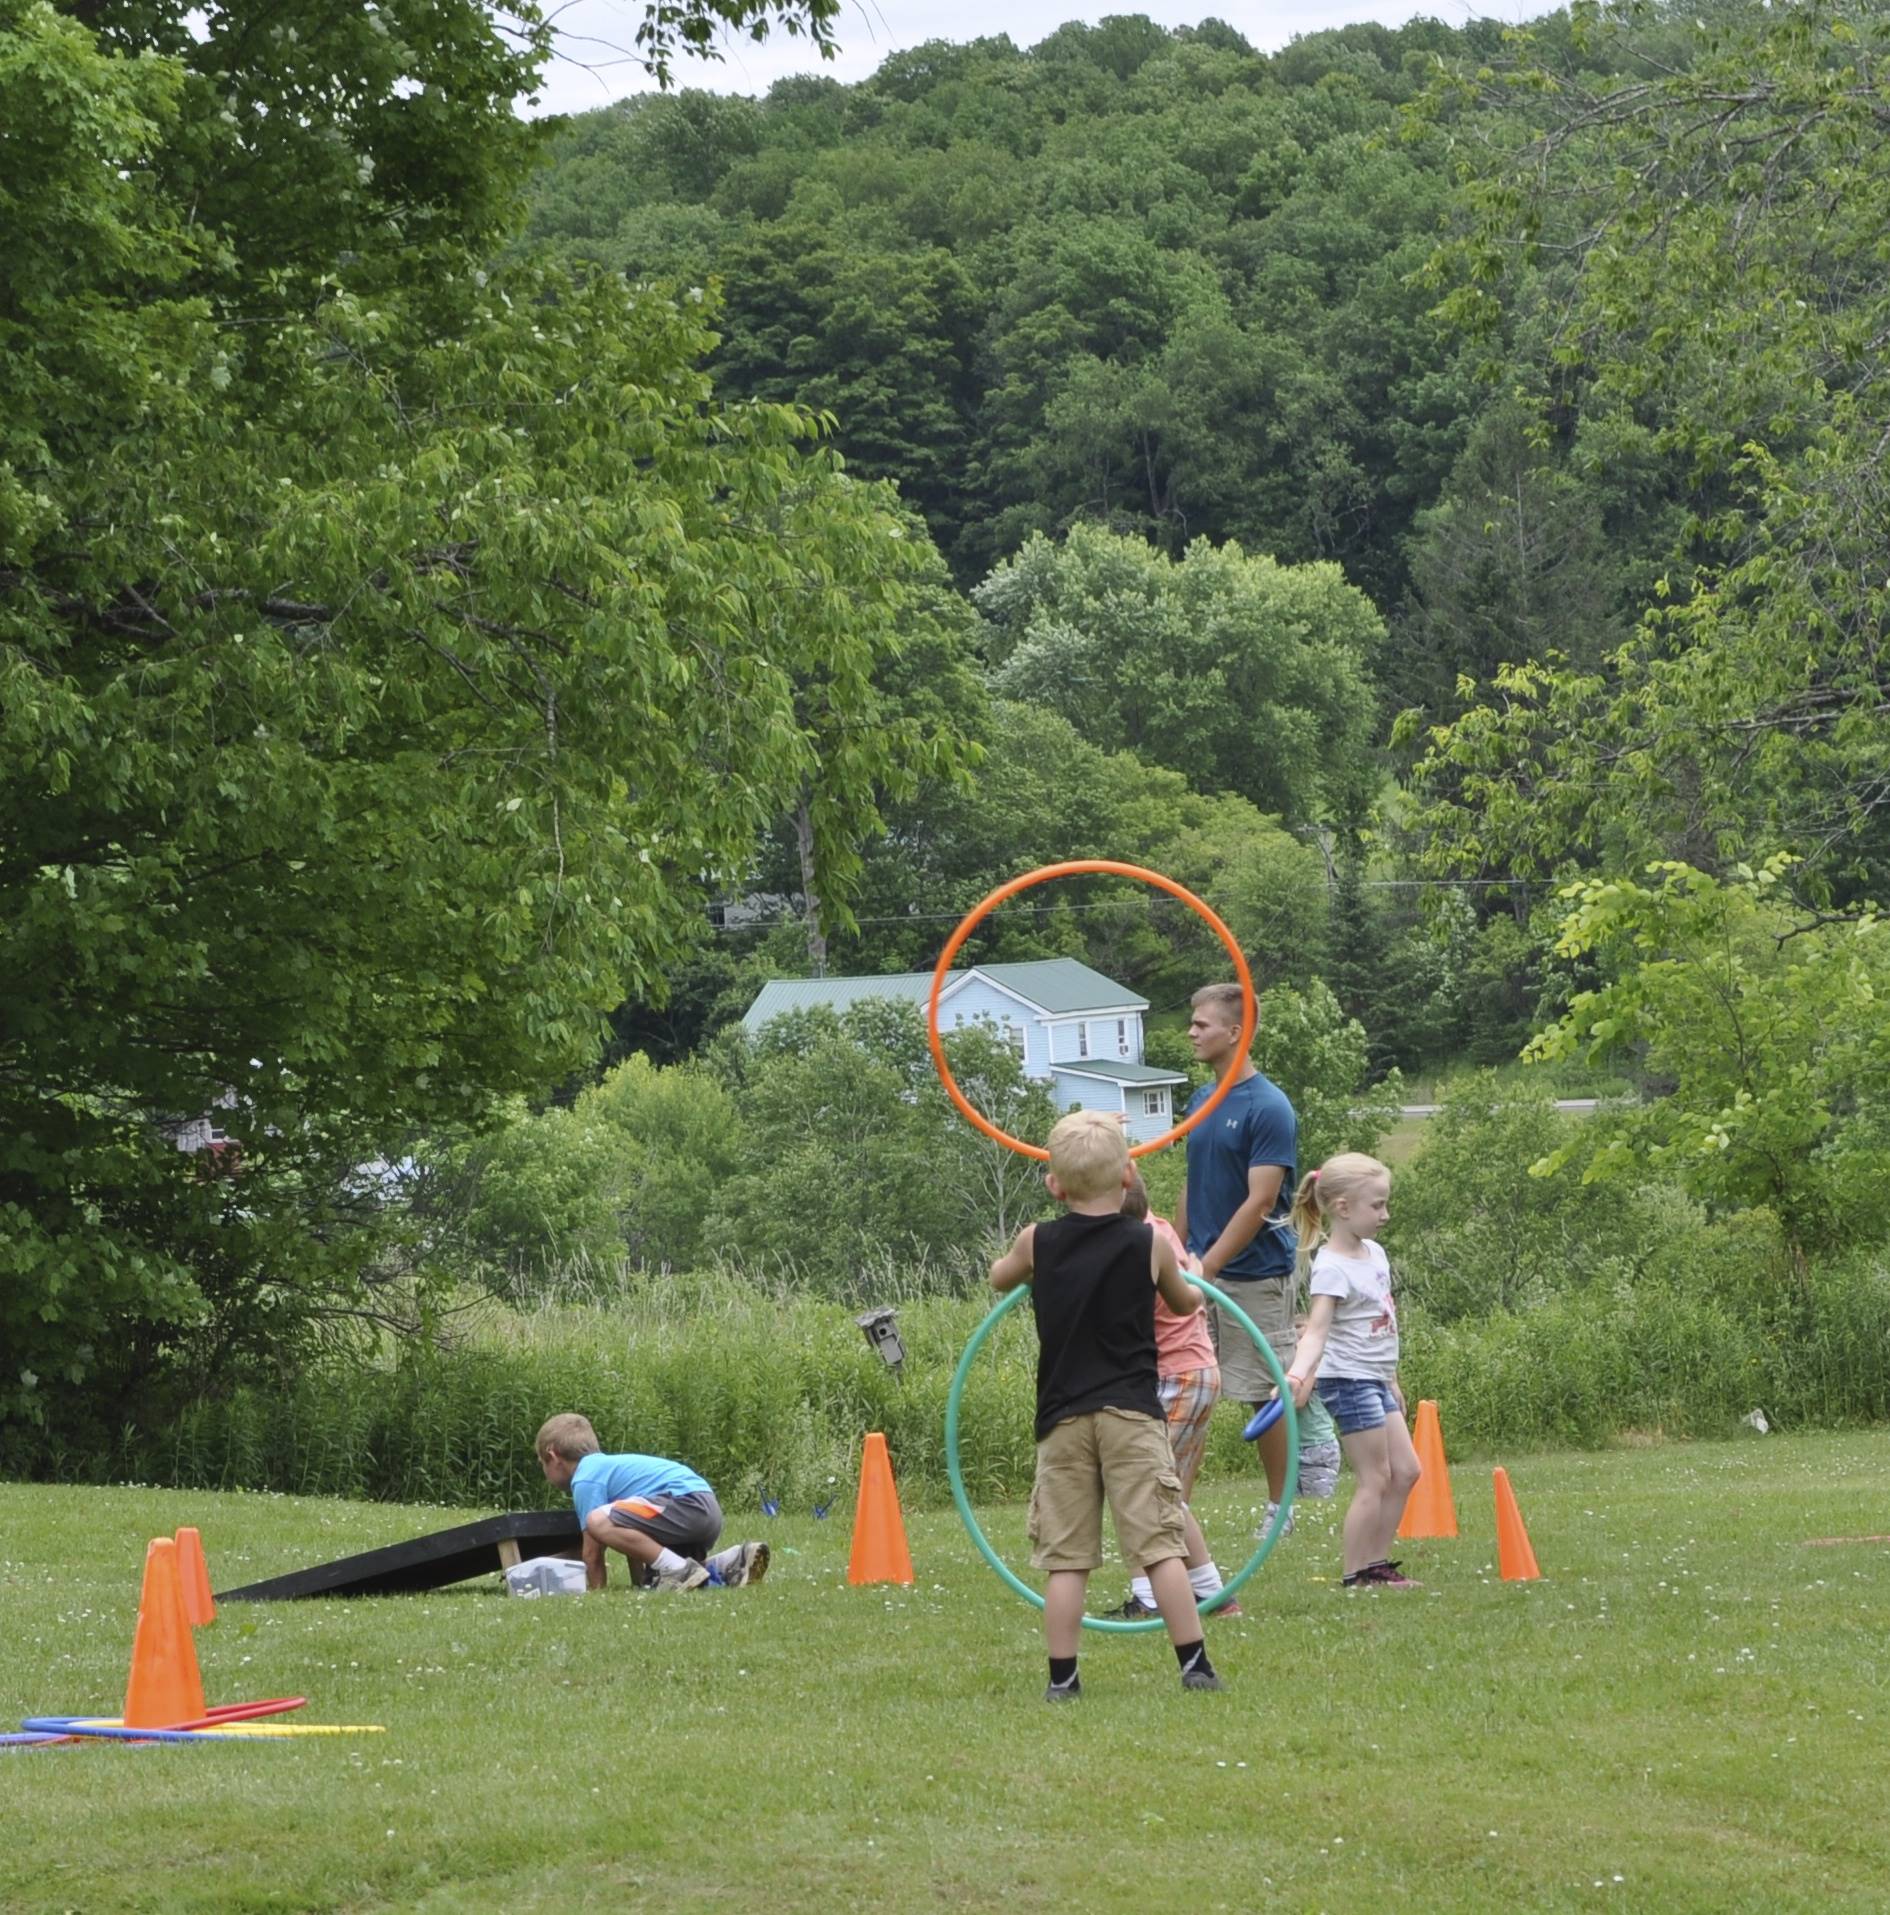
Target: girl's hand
column 1302, row 1388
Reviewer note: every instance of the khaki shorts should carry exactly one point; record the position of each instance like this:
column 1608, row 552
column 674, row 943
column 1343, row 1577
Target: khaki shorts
column 1244, row 1373
column 1118, row 1453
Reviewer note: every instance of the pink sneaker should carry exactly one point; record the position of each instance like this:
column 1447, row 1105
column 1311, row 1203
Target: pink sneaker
column 1387, row 1576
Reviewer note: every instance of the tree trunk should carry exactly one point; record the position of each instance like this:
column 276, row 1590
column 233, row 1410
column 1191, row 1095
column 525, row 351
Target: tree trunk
column 810, row 891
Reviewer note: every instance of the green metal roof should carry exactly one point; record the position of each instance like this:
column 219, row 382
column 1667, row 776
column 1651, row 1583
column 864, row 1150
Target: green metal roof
column 1060, row 987
column 1115, row 1070
column 783, row 994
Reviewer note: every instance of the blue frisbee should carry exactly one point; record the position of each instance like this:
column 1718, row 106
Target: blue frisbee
column 1264, row 1418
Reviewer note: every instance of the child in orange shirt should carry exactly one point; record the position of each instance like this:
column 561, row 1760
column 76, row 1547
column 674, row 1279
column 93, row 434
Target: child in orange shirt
column 1190, row 1388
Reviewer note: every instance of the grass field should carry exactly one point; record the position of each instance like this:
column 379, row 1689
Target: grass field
column 1688, row 1714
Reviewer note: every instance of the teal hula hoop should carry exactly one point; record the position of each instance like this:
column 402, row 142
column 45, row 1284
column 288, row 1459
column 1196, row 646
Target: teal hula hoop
column 1274, row 1529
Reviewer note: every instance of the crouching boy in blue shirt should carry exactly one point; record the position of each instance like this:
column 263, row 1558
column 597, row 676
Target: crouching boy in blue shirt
column 659, row 1514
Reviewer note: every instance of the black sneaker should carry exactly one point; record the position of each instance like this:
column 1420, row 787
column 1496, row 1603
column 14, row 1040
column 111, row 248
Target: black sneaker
column 1134, row 1610
column 1201, row 1679
column 1071, row 1691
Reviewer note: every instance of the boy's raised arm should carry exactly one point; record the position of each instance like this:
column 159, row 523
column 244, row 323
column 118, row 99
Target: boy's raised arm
column 1017, row 1263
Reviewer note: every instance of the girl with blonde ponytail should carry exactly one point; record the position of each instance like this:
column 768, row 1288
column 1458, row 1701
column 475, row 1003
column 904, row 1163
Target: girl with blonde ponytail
column 1348, row 1352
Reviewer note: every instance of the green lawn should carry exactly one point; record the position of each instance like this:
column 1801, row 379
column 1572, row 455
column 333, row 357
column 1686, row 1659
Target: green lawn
column 1402, row 1142
column 1688, row 1714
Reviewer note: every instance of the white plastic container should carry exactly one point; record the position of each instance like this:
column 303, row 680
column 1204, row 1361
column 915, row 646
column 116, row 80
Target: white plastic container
column 546, row 1576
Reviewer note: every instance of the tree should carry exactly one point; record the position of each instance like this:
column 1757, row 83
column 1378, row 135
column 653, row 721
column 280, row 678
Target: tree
column 624, row 1175
column 1767, row 1033
column 1041, row 795
column 392, row 651
column 1242, row 674
column 1515, row 562
column 526, row 1202
column 854, row 1160
column 1724, row 296
column 1359, row 971
column 878, row 726
column 823, row 311
column 1145, row 279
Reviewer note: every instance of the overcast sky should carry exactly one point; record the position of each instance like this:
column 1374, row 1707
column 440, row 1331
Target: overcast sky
column 596, row 36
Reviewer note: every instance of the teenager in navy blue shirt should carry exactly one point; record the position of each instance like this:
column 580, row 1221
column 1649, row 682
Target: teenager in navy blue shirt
column 1233, row 1210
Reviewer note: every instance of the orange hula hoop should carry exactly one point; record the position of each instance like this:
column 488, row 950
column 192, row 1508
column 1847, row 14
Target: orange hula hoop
column 1084, row 867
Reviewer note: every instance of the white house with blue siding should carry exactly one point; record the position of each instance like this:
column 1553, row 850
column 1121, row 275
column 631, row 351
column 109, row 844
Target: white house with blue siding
column 1075, row 1029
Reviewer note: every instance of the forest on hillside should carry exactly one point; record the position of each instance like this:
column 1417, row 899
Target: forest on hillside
column 1393, row 312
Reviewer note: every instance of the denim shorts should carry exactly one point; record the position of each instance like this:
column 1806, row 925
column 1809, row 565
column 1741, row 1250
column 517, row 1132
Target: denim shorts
column 1358, row 1403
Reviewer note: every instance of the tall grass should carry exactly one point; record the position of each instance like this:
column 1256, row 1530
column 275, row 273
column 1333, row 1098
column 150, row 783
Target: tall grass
column 767, row 1390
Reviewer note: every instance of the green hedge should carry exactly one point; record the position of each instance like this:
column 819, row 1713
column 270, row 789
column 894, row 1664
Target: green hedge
column 767, row 1393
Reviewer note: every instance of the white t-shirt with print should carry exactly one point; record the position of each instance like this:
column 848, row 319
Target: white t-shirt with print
column 1363, row 1338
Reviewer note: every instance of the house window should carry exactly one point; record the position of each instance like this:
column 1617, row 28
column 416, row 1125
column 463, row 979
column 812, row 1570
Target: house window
column 1122, row 1037
column 1082, row 1039
column 1154, row 1103
column 1014, row 1037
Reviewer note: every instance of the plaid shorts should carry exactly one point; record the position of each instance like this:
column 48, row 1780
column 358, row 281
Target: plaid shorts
column 1188, row 1399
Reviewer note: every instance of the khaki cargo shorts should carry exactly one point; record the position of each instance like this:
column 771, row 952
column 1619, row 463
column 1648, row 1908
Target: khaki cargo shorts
column 1120, row 1454
column 1245, row 1377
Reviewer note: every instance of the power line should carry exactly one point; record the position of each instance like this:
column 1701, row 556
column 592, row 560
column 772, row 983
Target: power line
column 1142, row 901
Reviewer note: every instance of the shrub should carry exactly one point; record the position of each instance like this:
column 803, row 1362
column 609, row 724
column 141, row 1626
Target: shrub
column 682, row 1132
column 851, row 1151
column 768, row 1389
column 536, row 1191
column 763, row 1388
column 1768, row 1027
column 1474, row 1232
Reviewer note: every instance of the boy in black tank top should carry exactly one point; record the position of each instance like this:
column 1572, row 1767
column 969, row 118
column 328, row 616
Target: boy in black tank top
column 1100, row 1430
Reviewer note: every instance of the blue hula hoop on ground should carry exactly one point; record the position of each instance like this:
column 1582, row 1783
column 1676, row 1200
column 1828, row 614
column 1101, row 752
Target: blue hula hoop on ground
column 1110, row 1626
column 63, row 1726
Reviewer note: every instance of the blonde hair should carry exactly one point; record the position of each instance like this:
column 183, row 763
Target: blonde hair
column 568, row 1435
column 1320, row 1189
column 1088, row 1154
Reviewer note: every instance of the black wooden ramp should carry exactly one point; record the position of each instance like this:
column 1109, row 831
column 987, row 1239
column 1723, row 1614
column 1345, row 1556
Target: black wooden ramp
column 428, row 1562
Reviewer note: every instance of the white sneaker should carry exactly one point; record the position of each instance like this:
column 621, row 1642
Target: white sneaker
column 691, row 1575
column 1273, row 1509
column 740, row 1563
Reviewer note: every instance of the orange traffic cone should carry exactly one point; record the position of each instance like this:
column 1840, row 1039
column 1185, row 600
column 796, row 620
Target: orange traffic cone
column 200, row 1606
column 1430, row 1509
column 165, row 1686
column 1515, row 1560
column 879, row 1532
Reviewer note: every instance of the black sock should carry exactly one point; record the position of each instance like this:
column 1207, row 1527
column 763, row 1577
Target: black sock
column 1062, row 1671
column 1193, row 1656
